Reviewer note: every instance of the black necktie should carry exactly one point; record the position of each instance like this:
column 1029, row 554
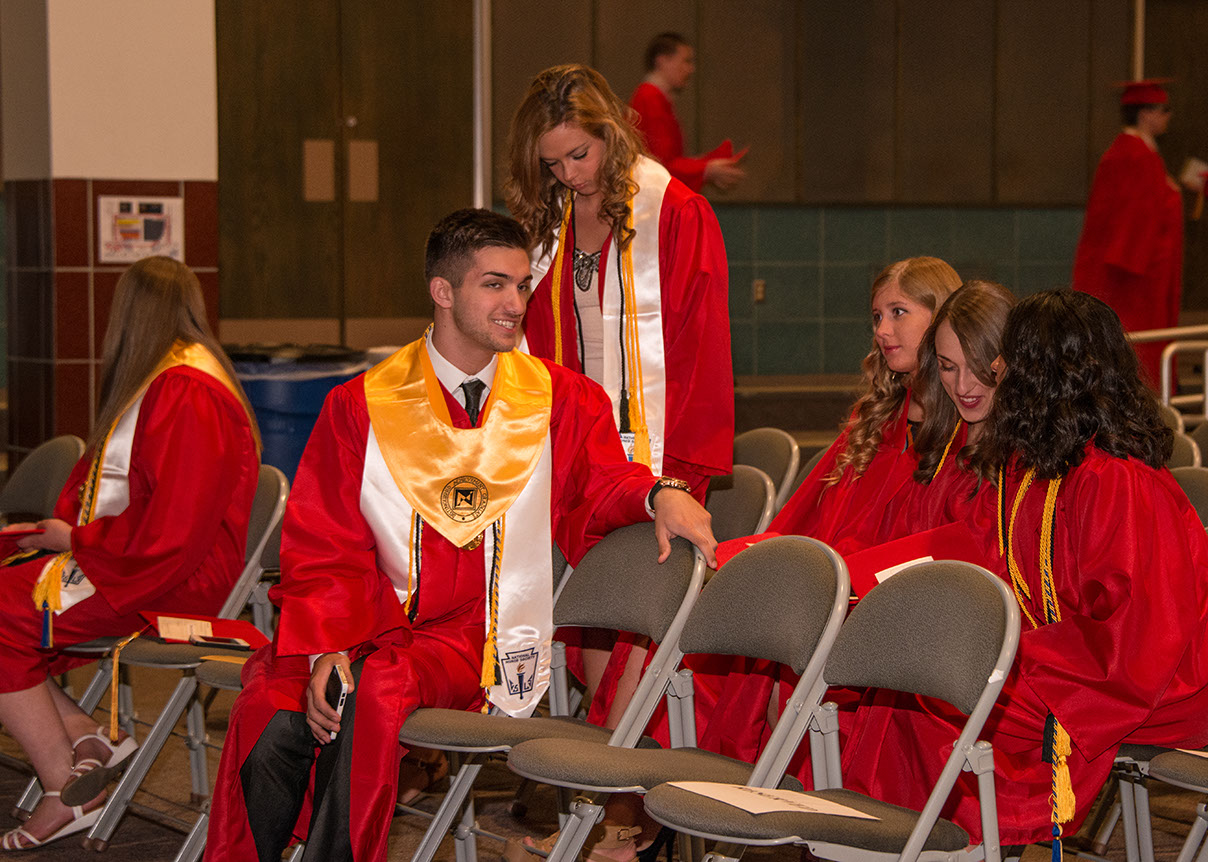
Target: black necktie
column 473, row 389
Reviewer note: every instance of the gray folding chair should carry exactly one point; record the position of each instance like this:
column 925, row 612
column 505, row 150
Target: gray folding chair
column 1186, row 452
column 741, row 504
column 773, row 451
column 1194, row 482
column 34, row 486
column 1190, row 772
column 268, row 507
column 782, row 600
column 806, row 469
column 618, row 585
column 960, row 654
column 1172, row 418
column 1200, row 435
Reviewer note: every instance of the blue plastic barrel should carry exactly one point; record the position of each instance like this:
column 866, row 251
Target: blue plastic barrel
column 287, row 385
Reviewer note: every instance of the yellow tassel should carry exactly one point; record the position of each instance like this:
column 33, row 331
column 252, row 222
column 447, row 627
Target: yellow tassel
column 113, row 687
column 641, row 445
column 1063, row 788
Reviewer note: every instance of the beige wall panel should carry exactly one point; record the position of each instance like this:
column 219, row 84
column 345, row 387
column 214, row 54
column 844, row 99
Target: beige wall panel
column 1042, row 101
column 408, row 84
column 747, row 85
column 1111, row 52
column 945, row 101
column 624, row 28
column 528, row 36
column 848, row 100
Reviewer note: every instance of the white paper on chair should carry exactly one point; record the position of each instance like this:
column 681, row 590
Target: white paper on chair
column 1197, row 753
column 179, row 629
column 893, row 570
column 762, row 801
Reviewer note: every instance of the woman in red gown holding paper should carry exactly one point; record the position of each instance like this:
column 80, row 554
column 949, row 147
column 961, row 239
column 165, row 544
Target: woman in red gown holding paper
column 1115, row 604
column 153, row 517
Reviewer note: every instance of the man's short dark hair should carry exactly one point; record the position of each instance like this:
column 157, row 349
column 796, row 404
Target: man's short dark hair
column 1129, row 114
column 662, row 45
column 458, row 237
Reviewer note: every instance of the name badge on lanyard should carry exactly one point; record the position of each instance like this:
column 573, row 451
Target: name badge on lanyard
column 627, row 441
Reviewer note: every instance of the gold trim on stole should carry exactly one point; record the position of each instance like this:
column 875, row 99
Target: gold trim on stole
column 459, row 479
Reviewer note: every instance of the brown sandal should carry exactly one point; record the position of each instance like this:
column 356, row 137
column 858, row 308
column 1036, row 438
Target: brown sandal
column 419, row 769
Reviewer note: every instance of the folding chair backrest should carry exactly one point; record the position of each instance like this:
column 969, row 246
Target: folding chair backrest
column 936, row 628
column 1194, row 482
column 771, row 601
column 35, row 485
column 742, row 504
column 1186, row 452
column 772, row 450
column 1171, row 418
column 619, row 584
column 263, row 538
column 1200, row 435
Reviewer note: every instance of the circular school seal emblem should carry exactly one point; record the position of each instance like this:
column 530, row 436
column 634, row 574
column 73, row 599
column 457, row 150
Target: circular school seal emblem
column 464, row 498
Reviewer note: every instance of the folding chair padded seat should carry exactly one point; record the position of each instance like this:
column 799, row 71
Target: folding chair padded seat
column 1189, row 771
column 157, row 653
column 221, row 674
column 571, row 764
column 1140, row 753
column 459, row 730
column 888, row 834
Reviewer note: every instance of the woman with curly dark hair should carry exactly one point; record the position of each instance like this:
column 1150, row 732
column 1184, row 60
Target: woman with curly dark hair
column 1109, row 564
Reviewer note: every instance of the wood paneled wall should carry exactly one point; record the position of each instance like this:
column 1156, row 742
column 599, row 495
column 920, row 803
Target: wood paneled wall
column 948, row 102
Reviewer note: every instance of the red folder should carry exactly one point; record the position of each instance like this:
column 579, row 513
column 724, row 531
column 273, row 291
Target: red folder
column 869, row 567
column 219, row 628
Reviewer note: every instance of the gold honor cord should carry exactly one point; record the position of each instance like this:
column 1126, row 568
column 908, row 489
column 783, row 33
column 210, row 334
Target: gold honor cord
column 1057, row 746
column 633, row 353
column 490, row 653
column 555, row 296
column 948, row 446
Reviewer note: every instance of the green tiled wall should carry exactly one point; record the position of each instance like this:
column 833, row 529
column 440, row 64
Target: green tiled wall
column 818, row 264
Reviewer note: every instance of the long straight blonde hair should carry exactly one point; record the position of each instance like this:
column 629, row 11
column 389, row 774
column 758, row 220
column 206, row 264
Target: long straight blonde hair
column 158, row 302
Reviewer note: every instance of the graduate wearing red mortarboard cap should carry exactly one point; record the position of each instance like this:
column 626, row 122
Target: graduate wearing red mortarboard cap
column 1130, row 254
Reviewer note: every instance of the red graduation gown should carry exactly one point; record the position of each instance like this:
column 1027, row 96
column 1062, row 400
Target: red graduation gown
column 1128, row 662
column 1130, row 254
column 664, row 138
column 179, row 544
column 694, row 281
column 333, row 597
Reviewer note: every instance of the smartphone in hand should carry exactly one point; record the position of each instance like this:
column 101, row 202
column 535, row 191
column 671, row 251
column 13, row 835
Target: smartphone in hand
column 337, row 690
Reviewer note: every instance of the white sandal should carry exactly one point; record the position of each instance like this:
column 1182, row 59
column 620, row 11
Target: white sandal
column 21, row 839
column 90, row 776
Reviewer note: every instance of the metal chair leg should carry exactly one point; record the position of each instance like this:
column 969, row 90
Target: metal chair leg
column 195, row 841
column 459, row 790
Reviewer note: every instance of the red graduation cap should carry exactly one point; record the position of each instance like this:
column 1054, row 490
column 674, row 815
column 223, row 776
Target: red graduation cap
column 1148, row 92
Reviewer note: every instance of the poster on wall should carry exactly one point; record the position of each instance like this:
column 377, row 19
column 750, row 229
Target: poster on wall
column 131, row 228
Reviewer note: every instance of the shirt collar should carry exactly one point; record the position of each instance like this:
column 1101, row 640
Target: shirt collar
column 451, row 377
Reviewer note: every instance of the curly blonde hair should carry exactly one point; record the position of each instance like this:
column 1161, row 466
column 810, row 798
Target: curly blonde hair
column 927, row 281
column 580, row 96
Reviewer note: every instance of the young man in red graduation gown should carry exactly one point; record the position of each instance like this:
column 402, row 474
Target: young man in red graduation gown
column 670, row 62
column 450, row 466
column 1130, row 254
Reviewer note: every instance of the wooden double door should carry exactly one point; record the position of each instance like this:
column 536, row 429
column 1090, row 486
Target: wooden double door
column 345, row 132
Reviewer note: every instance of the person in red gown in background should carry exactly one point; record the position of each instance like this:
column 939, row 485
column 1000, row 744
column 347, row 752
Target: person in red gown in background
column 153, row 517
column 632, row 290
column 1130, row 253
column 383, row 575
column 1076, row 448
column 842, row 500
column 670, row 63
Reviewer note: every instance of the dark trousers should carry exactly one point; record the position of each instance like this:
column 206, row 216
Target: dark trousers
column 275, row 775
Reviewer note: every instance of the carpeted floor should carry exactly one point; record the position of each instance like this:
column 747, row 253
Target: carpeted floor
column 156, row 832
